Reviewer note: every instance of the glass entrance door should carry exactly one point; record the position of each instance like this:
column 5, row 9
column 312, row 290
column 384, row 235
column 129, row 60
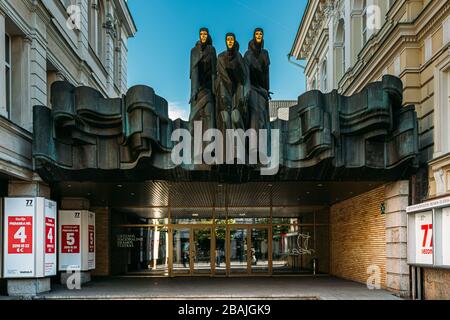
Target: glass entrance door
column 238, row 262
column 201, row 250
column 181, row 251
column 259, row 251
column 248, row 248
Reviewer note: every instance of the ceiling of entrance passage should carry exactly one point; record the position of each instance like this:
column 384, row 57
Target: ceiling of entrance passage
column 309, row 195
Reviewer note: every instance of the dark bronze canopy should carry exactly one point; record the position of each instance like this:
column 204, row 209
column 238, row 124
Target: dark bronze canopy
column 328, row 137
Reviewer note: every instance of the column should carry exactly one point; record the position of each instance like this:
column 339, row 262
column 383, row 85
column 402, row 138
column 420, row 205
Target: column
column 123, row 63
column 356, row 31
column 3, row 111
column 28, row 287
column 348, row 35
column 397, row 269
column 38, row 71
column 110, row 48
column 330, row 54
column 75, row 204
column 21, row 109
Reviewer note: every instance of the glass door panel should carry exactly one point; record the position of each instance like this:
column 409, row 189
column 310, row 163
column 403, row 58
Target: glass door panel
column 259, row 250
column 201, row 250
column 238, row 250
column 181, row 256
column 220, row 253
column 140, row 250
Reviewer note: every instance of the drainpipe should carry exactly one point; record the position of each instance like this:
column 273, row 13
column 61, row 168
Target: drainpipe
column 289, row 56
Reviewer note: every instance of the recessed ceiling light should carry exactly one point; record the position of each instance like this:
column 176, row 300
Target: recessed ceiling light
column 119, row 186
column 132, row 194
column 307, row 192
column 320, row 185
column 69, row 186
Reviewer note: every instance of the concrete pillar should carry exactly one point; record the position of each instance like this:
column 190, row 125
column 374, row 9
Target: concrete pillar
column 75, row 204
column 397, row 269
column 28, row 287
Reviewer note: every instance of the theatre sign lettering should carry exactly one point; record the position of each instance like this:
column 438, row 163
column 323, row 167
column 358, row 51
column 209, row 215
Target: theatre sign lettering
column 86, row 137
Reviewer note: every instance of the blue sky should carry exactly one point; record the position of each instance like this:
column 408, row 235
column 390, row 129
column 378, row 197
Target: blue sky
column 168, row 29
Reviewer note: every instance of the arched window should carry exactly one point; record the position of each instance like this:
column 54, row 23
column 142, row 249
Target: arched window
column 339, row 52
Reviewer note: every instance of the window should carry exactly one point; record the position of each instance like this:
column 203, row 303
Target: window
column 364, row 26
column 324, row 76
column 91, row 22
column 117, row 65
column 8, row 74
column 339, row 53
column 446, row 28
column 100, row 30
column 428, row 48
column 364, row 22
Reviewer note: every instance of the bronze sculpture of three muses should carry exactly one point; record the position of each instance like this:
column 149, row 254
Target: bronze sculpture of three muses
column 230, row 91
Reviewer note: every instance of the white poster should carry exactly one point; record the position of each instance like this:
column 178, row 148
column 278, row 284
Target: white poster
column 446, row 237
column 19, row 245
column 91, row 241
column 76, row 240
column 69, row 240
column 424, row 238
column 29, row 241
column 50, row 224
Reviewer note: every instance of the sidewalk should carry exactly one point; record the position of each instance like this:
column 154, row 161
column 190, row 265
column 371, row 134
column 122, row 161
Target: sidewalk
column 318, row 288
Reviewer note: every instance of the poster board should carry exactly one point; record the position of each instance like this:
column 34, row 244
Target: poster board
column 27, row 238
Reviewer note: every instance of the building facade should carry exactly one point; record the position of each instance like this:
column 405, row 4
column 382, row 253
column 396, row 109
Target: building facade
column 350, row 43
column 73, row 132
column 83, row 42
column 279, row 109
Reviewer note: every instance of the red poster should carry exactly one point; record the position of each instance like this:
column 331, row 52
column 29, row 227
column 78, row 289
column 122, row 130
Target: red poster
column 70, row 239
column 20, row 235
column 91, row 239
column 49, row 235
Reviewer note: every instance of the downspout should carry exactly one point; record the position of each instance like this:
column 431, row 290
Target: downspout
column 289, row 56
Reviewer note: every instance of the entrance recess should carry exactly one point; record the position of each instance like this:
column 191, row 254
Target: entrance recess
column 233, row 230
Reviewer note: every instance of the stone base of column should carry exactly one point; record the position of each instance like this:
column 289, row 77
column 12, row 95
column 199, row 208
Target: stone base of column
column 27, row 287
column 72, row 279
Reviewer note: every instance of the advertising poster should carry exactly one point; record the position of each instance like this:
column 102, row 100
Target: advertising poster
column 424, row 238
column 77, row 240
column 29, row 239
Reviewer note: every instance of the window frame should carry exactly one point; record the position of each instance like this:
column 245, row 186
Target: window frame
column 324, row 75
column 8, row 75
